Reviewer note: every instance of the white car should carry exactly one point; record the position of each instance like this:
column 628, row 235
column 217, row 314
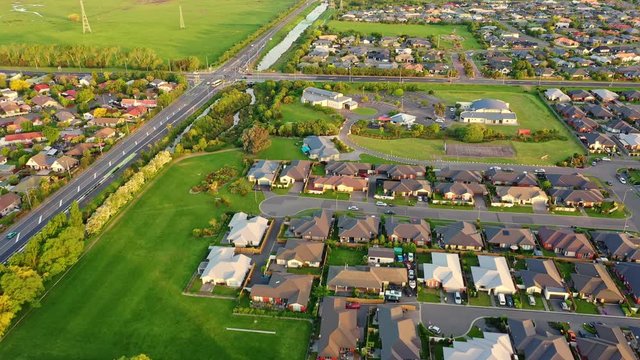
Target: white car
column 439, row 120
column 412, row 284
column 606, row 159
column 410, row 257
column 457, row 298
column 539, row 171
column 434, row 329
column 564, row 306
column 622, row 180
column 353, row 208
column 381, row 203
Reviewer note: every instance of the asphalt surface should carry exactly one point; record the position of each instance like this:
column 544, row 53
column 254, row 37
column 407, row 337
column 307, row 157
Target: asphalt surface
column 83, row 185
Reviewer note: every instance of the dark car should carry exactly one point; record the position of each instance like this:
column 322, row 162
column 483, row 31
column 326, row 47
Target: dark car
column 509, row 301
column 390, row 212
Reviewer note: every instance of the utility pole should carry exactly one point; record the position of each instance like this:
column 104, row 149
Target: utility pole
column 181, row 18
column 86, row 28
column 340, row 4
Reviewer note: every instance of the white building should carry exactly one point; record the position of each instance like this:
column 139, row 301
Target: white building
column 335, row 100
column 245, row 231
column 494, row 346
column 556, row 95
column 488, row 112
column 444, row 271
column 224, row 267
column 493, row 275
column 403, row 119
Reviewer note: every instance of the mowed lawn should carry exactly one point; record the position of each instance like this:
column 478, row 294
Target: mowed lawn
column 297, row 112
column 283, row 149
column 212, row 26
column 124, row 297
column 468, row 41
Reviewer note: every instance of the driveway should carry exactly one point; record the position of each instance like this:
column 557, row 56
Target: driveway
column 296, row 188
column 261, row 259
column 359, row 196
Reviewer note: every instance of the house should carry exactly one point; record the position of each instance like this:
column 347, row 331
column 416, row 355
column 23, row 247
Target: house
column 297, row 171
column 105, row 133
column 492, row 275
column 45, row 102
column 581, row 96
column 147, row 103
column 510, row 238
column 491, row 346
column 629, row 274
column 64, row 163
column 41, row 88
column 444, row 272
column 345, row 184
column 618, row 246
column 460, row 192
column 353, row 230
column 245, row 231
column 605, row 95
column 566, row 242
column 347, row 168
column 406, row 187
column 598, row 143
column 284, row 290
column 225, row 267
column 462, row 176
column 584, row 125
column 40, row 161
column 537, row 344
column 542, row 277
column 570, row 111
column 334, row 100
column 488, row 112
column 398, row 333
column 556, row 95
column 631, row 142
column 577, row 198
column 610, row 344
column 571, row 181
column 521, row 195
column 598, row 112
column 510, row 178
column 618, row 126
column 105, row 122
column 9, row 108
column 9, row 202
column 364, row 278
column 316, row 227
column 64, row 116
column 399, row 172
column 79, row 149
column 460, row 235
column 403, row 119
column 263, row 172
column 320, row 148
column 340, row 333
column 416, row 231
column 300, row 253
column 566, row 42
column 378, row 255
column 593, row 283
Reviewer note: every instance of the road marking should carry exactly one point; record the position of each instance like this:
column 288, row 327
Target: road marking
column 252, row 331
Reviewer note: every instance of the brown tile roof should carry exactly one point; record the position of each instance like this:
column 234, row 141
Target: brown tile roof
column 294, row 288
column 297, row 170
column 302, row 251
column 594, row 280
column 338, row 328
column 460, row 233
column 316, row 226
column 565, row 239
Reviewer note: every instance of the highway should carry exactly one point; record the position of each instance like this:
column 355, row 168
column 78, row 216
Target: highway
column 83, row 185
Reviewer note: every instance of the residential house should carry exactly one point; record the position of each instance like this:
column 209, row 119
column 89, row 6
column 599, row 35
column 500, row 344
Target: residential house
column 105, row 133
column 605, row 95
column 510, row 237
column 263, row 172
column 598, row 143
column 556, row 95
column 510, row 178
column 300, row 253
column 225, row 267
column 593, row 283
column 566, row 242
column 460, row 235
column 64, row 116
column 284, row 290
column 45, row 102
column 584, row 125
column 22, row 138
column 297, row 171
column 9, row 108
column 315, row 227
column 367, row 279
column 618, row 246
column 577, row 198
column 9, row 202
column 631, row 142
column 462, row 176
column 629, row 274
column 403, row 119
column 610, row 344
column 245, row 231
column 492, row 275
column 64, row 163
column 542, row 277
column 491, row 346
column 444, row 272
column 320, row 148
column 460, row 192
column 581, row 95
column 147, row 103
column 618, row 126
column 380, row 255
column 399, row 172
column 571, row 181
column 537, row 344
column 340, row 333
column 416, row 231
column 105, row 122
column 522, row 195
column 41, row 88
column 356, row 230
column 406, row 187
column 79, row 149
column 334, row 100
column 398, row 333
column 347, row 168
column 598, row 112
column 345, row 184
column 570, row 111
column 40, row 161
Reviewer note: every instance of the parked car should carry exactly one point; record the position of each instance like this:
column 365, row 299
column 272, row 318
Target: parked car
column 606, row 159
column 412, row 284
column 434, row 329
column 381, row 203
column 457, row 298
column 593, row 163
column 622, row 180
column 609, row 183
column 353, row 208
column 571, row 335
column 410, row 257
column 390, row 212
column 352, row 305
column 509, row 300
column 439, row 120
column 532, row 300
column 412, row 274
column 564, row 306
column 539, row 171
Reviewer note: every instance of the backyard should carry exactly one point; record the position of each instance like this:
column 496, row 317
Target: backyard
column 283, row 149
column 298, row 112
column 341, row 256
column 124, row 296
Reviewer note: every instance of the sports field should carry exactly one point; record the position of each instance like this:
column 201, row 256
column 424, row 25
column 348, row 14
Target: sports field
column 468, row 42
column 124, row 297
column 212, row 26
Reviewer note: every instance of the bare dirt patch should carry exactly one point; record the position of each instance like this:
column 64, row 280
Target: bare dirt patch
column 476, row 150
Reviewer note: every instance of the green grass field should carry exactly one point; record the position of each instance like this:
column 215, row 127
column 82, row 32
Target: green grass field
column 283, row 149
column 124, row 297
column 212, row 26
column 340, row 256
column 297, row 112
column 468, row 42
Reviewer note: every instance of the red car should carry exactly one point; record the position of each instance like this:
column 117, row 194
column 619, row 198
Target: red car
column 571, row 335
column 352, row 305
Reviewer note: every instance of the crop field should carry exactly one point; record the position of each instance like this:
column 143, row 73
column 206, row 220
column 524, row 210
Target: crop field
column 124, row 297
column 212, row 26
column 467, row 41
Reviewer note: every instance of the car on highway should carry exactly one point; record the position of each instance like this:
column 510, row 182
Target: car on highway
column 457, row 298
column 353, row 208
column 434, row 329
column 11, row 235
column 381, row 203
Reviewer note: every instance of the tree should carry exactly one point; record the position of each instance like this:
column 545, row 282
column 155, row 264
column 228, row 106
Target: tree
column 51, row 133
column 84, row 96
column 255, row 139
column 398, row 92
column 22, row 284
column 136, row 357
column 439, row 109
column 19, row 85
column 473, row 133
column 99, row 112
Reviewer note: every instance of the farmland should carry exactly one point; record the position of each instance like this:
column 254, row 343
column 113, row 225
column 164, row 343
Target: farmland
column 140, row 23
column 124, row 297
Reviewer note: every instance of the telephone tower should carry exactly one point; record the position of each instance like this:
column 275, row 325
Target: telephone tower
column 86, row 28
column 181, row 19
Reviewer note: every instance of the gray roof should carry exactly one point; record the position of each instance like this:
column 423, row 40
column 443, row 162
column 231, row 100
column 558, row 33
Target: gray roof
column 321, row 147
column 398, row 334
column 264, row 168
column 489, row 104
column 536, row 344
column 542, row 274
column 489, row 115
column 509, row 236
column 460, row 233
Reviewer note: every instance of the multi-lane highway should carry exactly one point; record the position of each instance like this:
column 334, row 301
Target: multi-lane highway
column 84, row 185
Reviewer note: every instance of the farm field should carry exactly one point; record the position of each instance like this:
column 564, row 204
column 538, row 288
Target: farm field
column 124, row 297
column 141, row 23
column 468, row 42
